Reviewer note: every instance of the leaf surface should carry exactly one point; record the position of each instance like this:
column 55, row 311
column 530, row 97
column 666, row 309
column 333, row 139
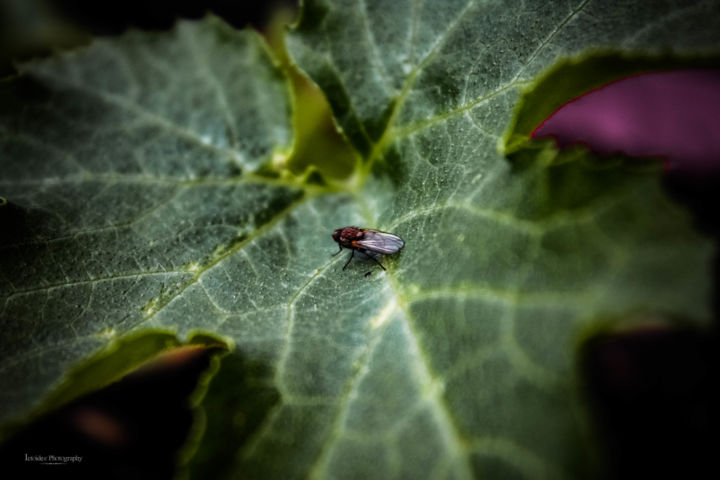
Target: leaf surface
column 457, row 362
column 127, row 170
column 505, row 269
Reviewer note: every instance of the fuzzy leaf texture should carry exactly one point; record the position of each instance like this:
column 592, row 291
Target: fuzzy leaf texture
column 133, row 177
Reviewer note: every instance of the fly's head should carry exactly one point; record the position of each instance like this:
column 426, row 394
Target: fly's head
column 336, row 234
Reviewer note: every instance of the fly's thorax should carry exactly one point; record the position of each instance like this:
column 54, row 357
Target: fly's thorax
column 350, row 234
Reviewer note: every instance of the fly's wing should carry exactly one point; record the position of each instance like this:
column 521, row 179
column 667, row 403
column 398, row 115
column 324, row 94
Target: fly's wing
column 380, row 242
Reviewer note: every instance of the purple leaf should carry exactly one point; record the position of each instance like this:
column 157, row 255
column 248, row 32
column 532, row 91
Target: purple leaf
column 674, row 114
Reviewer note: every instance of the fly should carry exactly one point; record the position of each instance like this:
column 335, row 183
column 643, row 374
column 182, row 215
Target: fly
column 368, row 241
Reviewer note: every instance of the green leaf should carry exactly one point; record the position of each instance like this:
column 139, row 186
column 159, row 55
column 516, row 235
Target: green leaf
column 505, row 269
column 159, row 209
column 127, row 170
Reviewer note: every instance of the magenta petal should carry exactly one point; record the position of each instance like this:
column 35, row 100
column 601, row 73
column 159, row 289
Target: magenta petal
column 673, row 114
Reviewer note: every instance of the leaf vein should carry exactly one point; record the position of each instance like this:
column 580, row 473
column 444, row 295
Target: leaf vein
column 205, row 67
column 319, row 467
column 549, row 38
column 228, row 253
column 144, row 113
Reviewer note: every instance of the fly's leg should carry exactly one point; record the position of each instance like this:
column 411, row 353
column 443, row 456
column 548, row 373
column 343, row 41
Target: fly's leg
column 337, row 251
column 351, row 257
column 376, row 261
column 371, row 257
